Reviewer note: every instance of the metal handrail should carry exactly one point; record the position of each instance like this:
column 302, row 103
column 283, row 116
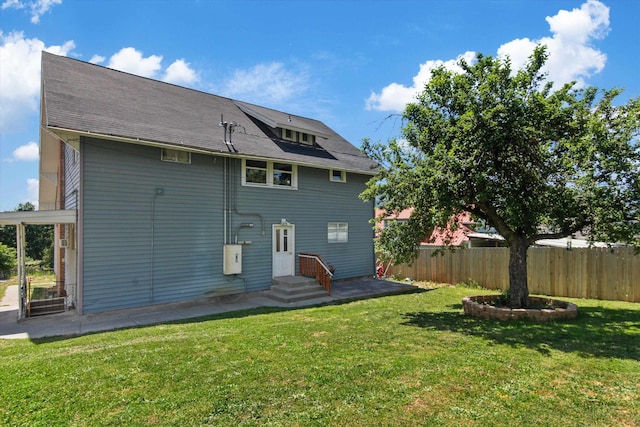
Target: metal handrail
column 320, row 261
column 323, row 276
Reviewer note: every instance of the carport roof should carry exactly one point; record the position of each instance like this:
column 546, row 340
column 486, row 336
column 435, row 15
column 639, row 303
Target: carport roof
column 38, row 217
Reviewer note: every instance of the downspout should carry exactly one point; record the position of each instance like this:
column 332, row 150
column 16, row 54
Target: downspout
column 80, row 232
column 224, row 200
column 60, row 230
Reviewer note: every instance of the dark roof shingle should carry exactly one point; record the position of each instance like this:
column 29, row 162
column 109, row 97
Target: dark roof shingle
column 89, row 98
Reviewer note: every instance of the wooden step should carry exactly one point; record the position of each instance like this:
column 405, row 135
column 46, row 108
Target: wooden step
column 41, row 307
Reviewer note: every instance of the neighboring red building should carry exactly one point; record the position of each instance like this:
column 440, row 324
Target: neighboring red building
column 469, row 234
column 464, row 235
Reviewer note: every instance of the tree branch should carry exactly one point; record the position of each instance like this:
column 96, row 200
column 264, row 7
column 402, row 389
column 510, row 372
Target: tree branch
column 496, row 220
column 564, row 233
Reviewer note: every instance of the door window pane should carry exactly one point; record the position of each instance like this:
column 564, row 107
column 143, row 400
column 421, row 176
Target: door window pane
column 285, row 241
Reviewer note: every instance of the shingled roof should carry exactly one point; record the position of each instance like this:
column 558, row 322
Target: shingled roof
column 89, row 99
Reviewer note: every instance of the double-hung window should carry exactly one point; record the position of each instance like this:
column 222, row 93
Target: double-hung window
column 262, row 173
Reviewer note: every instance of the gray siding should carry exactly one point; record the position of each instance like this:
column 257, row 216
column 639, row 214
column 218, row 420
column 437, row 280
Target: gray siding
column 141, row 248
column 71, row 177
column 310, row 208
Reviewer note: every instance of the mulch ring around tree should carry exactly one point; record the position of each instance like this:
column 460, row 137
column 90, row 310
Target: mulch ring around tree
column 542, row 309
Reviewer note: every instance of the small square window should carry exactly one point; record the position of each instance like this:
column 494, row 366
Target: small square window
column 338, row 232
column 337, row 175
column 307, row 138
column 176, row 156
column 290, row 135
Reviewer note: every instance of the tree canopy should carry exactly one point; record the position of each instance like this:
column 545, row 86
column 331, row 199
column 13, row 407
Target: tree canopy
column 39, row 238
column 532, row 160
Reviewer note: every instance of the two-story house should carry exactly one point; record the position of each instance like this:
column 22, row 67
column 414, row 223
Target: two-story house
column 180, row 194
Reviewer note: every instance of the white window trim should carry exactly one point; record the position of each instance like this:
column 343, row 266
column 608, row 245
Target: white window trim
column 343, row 175
column 342, row 236
column 270, row 169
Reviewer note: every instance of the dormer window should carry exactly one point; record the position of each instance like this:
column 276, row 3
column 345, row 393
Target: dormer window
column 305, row 138
column 290, row 135
column 300, row 137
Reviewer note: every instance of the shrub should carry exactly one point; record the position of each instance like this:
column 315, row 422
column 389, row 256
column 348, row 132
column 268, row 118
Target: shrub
column 7, row 260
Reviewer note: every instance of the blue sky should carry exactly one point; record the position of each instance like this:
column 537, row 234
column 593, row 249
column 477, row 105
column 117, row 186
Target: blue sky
column 352, row 64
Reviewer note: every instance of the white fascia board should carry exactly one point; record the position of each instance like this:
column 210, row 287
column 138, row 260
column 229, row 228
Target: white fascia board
column 60, row 132
column 275, row 124
column 264, row 119
column 66, row 216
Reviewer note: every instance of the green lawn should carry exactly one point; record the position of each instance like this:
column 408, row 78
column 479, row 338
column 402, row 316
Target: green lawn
column 39, row 282
column 395, row 361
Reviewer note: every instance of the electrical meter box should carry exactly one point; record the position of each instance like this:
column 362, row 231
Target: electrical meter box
column 232, row 259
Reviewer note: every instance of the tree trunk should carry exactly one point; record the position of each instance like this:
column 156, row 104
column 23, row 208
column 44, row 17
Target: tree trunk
column 518, row 288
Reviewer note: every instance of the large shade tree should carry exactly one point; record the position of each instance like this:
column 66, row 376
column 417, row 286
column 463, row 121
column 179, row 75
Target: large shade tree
column 39, row 238
column 533, row 160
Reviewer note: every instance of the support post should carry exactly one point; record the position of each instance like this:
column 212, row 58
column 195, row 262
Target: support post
column 22, row 270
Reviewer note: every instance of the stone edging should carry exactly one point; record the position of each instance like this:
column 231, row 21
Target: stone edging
column 475, row 306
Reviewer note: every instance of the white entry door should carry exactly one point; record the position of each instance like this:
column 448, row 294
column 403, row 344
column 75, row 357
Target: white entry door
column 284, row 261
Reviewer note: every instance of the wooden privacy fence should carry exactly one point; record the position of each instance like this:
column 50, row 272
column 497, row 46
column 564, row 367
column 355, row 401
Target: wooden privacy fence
column 600, row 273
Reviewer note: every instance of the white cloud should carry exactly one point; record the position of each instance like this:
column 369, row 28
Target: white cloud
column 30, row 152
column 40, row 7
column 20, row 76
column 97, row 59
column 395, row 96
column 20, row 73
column 180, row 72
column 33, row 191
column 37, row 7
column 12, row 4
column 571, row 55
column 267, row 83
column 131, row 61
column 581, row 25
